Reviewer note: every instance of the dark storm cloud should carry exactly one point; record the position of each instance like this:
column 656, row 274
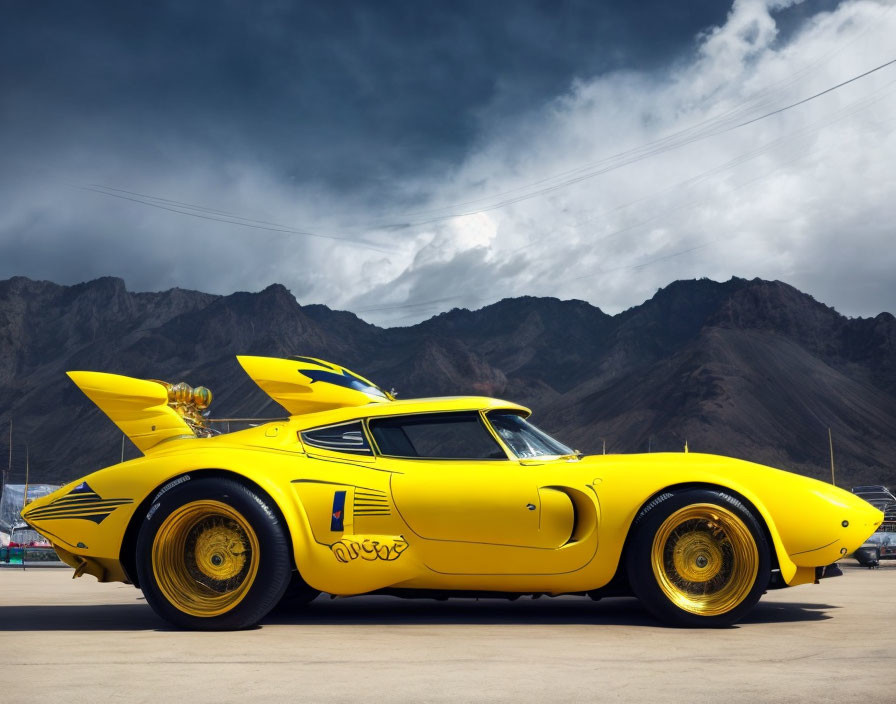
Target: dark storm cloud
column 336, row 118
column 349, row 95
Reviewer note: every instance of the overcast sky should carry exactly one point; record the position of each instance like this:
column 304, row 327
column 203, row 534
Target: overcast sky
column 398, row 159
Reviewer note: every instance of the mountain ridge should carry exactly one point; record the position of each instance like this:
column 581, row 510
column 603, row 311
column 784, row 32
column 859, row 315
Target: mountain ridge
column 748, row 368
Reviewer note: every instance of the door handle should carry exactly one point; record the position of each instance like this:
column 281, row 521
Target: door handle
column 531, row 507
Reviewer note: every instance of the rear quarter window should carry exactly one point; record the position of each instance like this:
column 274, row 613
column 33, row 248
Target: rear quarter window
column 345, row 437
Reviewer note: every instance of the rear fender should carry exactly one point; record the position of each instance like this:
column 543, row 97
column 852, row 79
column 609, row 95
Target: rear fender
column 289, row 509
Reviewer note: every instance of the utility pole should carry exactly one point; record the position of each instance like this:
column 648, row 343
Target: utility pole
column 27, row 469
column 8, row 469
column 831, row 445
column 604, row 443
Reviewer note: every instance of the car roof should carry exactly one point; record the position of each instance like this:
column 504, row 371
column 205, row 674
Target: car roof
column 437, row 404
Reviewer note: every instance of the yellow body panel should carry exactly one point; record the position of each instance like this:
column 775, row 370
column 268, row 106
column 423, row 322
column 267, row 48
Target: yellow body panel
column 305, row 384
column 138, row 407
column 553, row 525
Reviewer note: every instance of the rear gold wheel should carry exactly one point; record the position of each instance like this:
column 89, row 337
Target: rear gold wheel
column 212, row 554
column 697, row 558
column 205, row 558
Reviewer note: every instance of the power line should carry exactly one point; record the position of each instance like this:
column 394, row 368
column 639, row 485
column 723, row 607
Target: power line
column 841, row 114
column 606, row 165
column 208, row 216
column 811, row 97
column 758, row 99
column 639, row 157
column 174, row 202
column 402, row 306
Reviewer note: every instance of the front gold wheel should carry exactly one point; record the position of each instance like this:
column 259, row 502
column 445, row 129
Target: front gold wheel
column 704, row 559
column 205, row 558
column 698, row 558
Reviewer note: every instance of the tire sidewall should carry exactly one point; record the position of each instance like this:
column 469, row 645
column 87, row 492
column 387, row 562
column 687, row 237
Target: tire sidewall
column 640, row 570
column 274, row 563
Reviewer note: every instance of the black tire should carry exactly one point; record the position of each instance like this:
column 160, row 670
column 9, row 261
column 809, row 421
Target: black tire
column 298, row 594
column 240, row 512
column 668, row 571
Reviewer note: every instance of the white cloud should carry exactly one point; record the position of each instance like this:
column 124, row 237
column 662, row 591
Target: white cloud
column 807, row 196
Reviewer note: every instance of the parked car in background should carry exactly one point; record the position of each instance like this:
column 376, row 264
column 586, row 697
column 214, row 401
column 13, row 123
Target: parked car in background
column 876, row 495
column 27, row 545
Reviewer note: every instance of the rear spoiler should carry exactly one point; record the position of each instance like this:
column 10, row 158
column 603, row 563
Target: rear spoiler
column 308, row 385
column 148, row 412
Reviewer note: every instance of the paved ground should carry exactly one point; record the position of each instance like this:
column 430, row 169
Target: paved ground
column 80, row 641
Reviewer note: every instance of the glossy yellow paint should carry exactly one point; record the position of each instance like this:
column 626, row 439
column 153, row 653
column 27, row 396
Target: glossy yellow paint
column 138, row 407
column 303, row 384
column 554, row 524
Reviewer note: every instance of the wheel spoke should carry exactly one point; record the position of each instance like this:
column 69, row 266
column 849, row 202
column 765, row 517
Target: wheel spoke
column 205, row 558
column 705, row 559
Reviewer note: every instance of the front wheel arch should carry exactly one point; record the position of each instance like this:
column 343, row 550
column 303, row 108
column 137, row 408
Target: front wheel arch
column 689, row 486
column 128, row 554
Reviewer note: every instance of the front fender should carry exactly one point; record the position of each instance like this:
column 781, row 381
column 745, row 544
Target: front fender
column 811, row 524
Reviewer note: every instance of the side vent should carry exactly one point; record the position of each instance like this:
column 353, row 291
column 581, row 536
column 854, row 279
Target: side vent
column 371, row 502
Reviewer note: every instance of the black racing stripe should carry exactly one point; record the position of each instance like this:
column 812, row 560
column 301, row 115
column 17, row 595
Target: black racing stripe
column 79, row 507
column 78, row 497
column 95, row 505
column 95, row 517
column 97, row 502
column 72, row 511
column 52, row 514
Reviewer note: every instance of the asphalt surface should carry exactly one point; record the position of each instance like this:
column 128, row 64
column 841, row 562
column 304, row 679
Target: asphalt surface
column 79, row 641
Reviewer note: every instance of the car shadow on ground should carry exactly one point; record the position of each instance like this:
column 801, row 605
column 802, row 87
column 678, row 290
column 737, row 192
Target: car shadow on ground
column 387, row 611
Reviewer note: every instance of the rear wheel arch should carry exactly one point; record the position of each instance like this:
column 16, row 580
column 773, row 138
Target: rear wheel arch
column 128, row 552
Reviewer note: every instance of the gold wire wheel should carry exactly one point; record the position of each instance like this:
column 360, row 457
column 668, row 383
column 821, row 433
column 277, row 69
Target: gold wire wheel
column 205, row 558
column 705, row 559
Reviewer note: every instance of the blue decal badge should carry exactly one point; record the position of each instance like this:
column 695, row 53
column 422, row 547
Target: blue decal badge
column 337, row 518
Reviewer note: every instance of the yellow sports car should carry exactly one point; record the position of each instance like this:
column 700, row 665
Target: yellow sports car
column 357, row 492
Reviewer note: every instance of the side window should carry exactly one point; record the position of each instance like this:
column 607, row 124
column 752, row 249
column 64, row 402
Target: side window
column 345, row 437
column 451, row 436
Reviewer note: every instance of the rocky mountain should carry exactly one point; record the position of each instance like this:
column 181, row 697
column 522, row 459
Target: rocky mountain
column 752, row 369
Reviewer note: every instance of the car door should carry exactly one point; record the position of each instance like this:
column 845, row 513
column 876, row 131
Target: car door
column 454, row 486
column 473, row 501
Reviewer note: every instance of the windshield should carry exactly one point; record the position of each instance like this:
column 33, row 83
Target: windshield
column 523, row 438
